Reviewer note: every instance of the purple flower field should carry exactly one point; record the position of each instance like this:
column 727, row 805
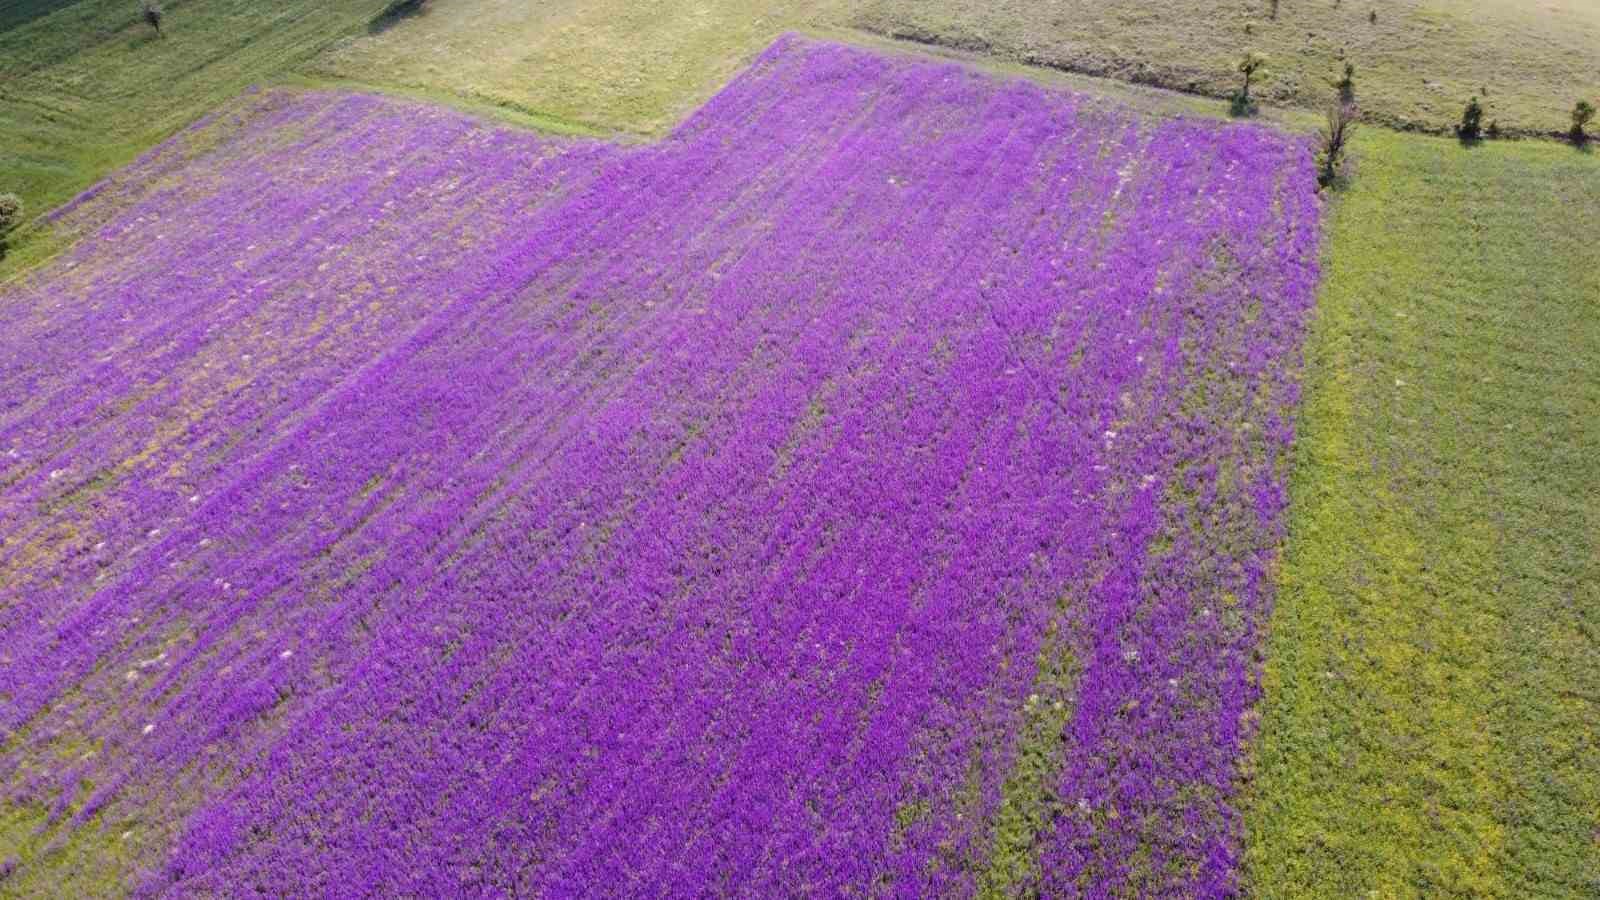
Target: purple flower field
column 395, row 503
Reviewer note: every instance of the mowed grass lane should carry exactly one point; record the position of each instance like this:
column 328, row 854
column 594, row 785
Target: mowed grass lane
column 87, row 86
column 1431, row 722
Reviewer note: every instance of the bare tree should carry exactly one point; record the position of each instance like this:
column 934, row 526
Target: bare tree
column 1336, row 135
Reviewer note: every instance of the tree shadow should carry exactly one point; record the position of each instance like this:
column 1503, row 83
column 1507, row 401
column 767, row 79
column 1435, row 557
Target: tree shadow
column 143, row 38
column 396, row 12
column 16, row 15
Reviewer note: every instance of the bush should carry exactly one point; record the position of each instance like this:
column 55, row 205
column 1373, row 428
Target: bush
column 1347, row 84
column 151, row 11
column 10, row 218
column 1471, row 127
column 10, row 212
column 1336, row 135
column 1582, row 113
column 1252, row 63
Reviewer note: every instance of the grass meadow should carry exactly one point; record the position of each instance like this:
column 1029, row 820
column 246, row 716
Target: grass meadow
column 1433, row 671
column 1417, row 61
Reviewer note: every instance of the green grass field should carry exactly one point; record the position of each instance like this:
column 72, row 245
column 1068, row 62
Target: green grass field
column 1417, row 64
column 1432, row 717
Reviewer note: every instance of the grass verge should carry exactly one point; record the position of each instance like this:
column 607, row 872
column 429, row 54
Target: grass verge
column 1431, row 724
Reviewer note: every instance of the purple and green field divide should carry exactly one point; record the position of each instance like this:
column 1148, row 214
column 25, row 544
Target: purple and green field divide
column 871, row 489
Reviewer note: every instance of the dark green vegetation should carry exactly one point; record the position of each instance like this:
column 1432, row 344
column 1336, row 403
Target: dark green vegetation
column 1432, row 717
column 1418, row 61
column 11, row 210
column 20, row 12
column 1471, row 126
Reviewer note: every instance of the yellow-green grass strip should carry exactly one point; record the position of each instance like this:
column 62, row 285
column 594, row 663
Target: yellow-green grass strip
column 1431, row 721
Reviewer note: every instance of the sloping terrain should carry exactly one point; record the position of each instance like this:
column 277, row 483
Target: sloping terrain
column 1417, row 61
column 86, row 87
column 875, row 483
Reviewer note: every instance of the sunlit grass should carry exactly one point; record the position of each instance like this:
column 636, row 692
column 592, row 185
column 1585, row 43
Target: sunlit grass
column 1433, row 671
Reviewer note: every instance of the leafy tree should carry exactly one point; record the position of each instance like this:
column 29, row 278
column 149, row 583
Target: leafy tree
column 1471, row 127
column 1336, row 134
column 1249, row 65
column 1582, row 113
column 151, row 10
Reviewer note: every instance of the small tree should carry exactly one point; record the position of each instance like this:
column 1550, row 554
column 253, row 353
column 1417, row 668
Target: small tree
column 1248, row 67
column 1347, row 84
column 10, row 218
column 1471, row 127
column 1582, row 113
column 151, row 10
column 1336, row 134
column 1373, row 17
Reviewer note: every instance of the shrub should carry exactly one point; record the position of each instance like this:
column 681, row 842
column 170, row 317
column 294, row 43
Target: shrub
column 1336, row 134
column 1251, row 64
column 1582, row 113
column 1347, row 84
column 1373, row 17
column 10, row 218
column 1471, row 127
column 151, row 10
column 10, row 212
